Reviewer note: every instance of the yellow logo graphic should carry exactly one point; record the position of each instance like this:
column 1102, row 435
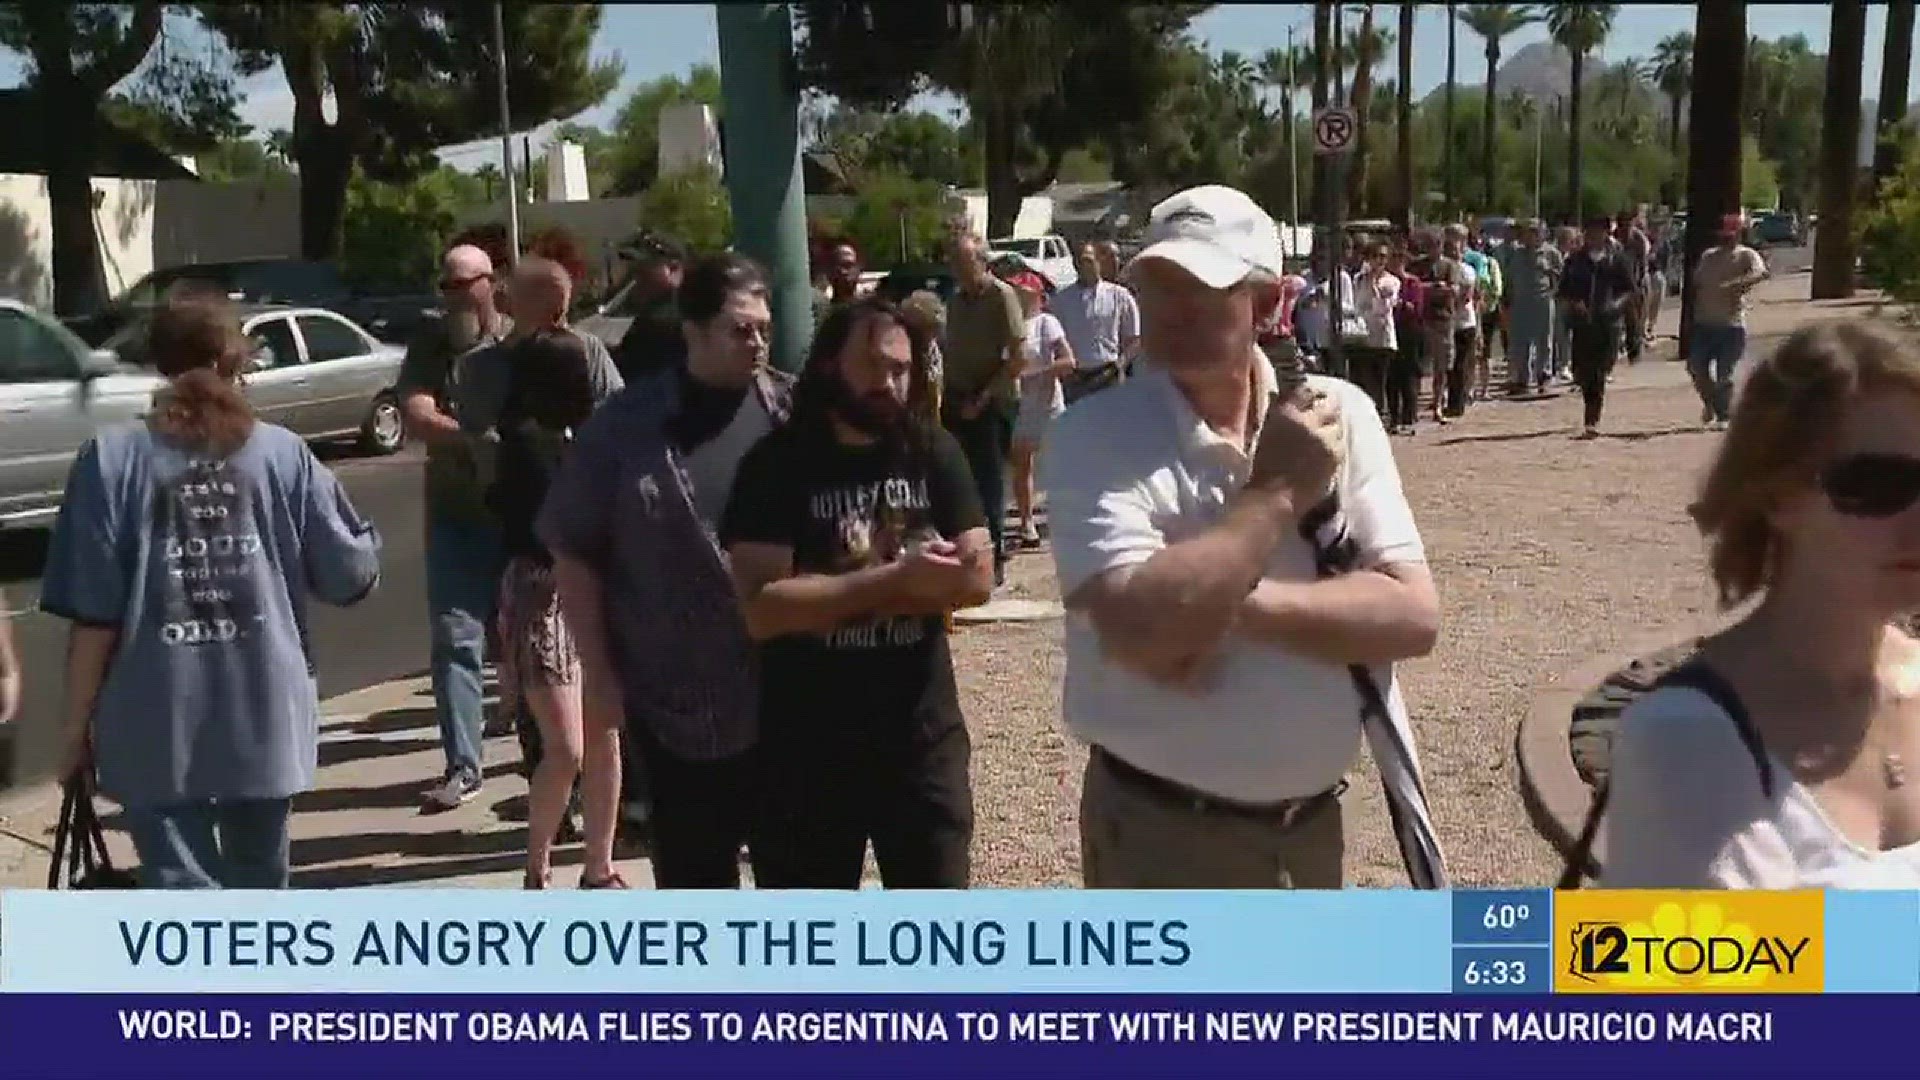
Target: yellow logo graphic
column 1634, row 941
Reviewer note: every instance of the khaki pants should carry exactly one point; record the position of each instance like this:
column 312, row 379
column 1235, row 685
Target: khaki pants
column 1132, row 839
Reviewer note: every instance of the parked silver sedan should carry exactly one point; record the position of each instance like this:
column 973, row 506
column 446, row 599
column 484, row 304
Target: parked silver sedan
column 312, row 371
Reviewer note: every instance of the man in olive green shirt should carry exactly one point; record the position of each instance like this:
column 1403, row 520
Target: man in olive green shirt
column 464, row 551
column 980, row 392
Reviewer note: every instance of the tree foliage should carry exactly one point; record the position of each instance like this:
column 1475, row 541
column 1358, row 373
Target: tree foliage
column 1027, row 72
column 73, row 57
column 896, row 220
column 1890, row 231
column 406, row 78
column 691, row 205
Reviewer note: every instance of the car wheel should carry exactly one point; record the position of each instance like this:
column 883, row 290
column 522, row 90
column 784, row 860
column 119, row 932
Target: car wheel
column 385, row 430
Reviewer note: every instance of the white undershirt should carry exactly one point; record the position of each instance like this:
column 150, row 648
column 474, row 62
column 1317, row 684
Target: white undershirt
column 1687, row 811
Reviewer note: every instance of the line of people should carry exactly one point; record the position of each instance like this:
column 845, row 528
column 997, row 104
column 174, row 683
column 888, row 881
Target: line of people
column 740, row 579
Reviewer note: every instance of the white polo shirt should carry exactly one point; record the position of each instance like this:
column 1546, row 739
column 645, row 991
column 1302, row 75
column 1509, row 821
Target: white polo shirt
column 1129, row 472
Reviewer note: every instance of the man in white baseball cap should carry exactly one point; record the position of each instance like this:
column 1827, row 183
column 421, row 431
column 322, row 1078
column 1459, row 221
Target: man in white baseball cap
column 1212, row 651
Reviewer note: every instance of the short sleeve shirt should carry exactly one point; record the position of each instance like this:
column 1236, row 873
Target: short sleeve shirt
column 436, row 366
column 981, row 327
column 204, row 564
column 1131, row 471
column 1096, row 318
column 845, row 508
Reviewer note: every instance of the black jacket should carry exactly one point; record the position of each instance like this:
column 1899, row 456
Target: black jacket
column 1604, row 284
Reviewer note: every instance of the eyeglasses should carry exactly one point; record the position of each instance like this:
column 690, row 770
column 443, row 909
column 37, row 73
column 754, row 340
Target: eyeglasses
column 1872, row 485
column 456, row 284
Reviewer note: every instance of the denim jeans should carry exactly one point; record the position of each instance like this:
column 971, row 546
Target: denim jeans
column 1716, row 351
column 464, row 564
column 212, row 844
column 986, row 440
column 1530, row 329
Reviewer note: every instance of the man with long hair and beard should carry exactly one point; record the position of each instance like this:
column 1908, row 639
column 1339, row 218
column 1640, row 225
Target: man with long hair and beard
column 852, row 531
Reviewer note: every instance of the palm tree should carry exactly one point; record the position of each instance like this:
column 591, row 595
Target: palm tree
column 1713, row 137
column 1579, row 29
column 1323, row 62
column 1673, row 74
column 1839, row 152
column 1403, row 118
column 1446, row 130
column 1895, row 60
column 1493, row 22
column 1370, row 46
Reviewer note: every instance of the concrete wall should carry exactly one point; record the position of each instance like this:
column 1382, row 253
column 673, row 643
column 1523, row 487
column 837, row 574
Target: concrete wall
column 123, row 230
column 197, row 222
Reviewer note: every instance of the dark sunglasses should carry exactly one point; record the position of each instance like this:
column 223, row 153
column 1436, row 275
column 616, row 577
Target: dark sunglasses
column 1872, row 485
column 456, row 284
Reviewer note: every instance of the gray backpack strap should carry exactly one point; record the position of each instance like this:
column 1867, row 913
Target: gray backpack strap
column 1695, row 674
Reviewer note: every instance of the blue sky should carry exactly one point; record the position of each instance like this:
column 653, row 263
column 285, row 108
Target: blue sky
column 667, row 39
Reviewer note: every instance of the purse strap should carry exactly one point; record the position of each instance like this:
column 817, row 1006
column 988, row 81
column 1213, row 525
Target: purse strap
column 62, row 834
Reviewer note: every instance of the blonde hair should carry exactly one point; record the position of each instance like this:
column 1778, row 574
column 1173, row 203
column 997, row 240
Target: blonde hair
column 1785, row 422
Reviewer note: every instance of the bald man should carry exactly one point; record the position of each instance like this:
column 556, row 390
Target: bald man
column 464, row 552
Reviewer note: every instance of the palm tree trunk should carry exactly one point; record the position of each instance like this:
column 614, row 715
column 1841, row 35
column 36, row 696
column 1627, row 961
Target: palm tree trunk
column 1833, row 250
column 1573, row 140
column 1677, row 180
column 1322, row 62
column 1363, row 108
column 1713, row 138
column 1403, row 126
column 1896, row 59
column 1487, row 121
column 1446, row 145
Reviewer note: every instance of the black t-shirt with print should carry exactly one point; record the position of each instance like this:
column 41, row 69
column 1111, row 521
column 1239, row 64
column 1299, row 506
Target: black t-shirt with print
column 844, row 508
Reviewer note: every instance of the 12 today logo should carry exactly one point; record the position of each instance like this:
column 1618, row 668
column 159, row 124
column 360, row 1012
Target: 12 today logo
column 1633, row 941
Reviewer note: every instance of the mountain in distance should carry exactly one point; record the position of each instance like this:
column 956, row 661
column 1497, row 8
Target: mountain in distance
column 1540, row 70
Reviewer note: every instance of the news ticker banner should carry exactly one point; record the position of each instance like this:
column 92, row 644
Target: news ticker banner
column 978, row 942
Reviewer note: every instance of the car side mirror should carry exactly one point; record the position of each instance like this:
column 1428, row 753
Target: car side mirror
column 98, row 364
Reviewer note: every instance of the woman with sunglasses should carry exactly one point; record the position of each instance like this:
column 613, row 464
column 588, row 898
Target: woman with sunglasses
column 1790, row 758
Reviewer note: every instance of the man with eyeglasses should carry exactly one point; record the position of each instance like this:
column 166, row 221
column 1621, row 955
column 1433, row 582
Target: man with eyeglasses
column 464, row 553
column 631, row 521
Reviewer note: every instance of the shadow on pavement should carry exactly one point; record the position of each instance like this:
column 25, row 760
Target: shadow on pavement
column 413, row 873
column 328, row 851
column 343, row 751
column 393, row 721
column 397, row 795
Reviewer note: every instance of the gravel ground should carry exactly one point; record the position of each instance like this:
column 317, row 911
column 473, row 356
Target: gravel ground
column 1547, row 552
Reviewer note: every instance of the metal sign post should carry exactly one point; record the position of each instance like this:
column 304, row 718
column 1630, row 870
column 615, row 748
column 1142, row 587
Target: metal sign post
column 1335, row 128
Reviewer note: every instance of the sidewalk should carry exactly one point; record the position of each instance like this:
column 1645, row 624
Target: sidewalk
column 363, row 823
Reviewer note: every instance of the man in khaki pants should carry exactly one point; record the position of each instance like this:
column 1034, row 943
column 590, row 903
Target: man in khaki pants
column 1208, row 662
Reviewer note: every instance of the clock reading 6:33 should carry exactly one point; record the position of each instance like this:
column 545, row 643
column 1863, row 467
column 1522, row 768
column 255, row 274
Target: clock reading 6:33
column 1494, row 973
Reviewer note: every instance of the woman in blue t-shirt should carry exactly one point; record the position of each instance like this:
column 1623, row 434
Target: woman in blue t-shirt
column 185, row 550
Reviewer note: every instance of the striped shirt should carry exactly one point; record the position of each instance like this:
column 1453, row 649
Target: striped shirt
column 623, row 503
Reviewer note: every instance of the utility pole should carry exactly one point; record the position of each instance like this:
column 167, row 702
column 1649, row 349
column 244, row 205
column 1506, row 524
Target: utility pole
column 506, row 128
column 761, row 96
column 1293, row 149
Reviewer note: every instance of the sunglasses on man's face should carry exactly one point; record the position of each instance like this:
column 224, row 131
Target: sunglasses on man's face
column 1872, row 485
column 457, row 284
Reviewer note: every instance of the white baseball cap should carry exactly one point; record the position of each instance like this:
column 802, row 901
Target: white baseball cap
column 1216, row 233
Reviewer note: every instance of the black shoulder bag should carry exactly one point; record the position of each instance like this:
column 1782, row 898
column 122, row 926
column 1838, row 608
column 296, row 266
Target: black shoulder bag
column 1694, row 675
column 80, row 859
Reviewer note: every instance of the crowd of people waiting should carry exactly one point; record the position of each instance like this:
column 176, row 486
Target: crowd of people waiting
column 737, row 583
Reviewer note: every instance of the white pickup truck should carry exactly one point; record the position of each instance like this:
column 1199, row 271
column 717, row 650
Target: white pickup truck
column 1050, row 255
